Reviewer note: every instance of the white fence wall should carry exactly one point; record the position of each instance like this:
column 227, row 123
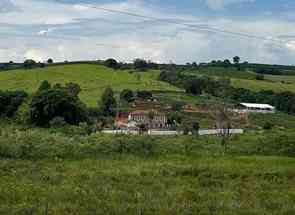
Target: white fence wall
column 220, row 131
column 173, row 133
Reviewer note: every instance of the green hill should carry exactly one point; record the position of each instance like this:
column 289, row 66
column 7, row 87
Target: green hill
column 92, row 79
column 247, row 79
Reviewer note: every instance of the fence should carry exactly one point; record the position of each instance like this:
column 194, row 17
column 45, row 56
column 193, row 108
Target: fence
column 173, row 133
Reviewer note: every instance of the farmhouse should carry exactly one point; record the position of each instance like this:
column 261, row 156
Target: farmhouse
column 132, row 120
column 255, row 108
column 153, row 119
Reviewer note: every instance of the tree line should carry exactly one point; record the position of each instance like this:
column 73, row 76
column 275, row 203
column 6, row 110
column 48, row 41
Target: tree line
column 283, row 101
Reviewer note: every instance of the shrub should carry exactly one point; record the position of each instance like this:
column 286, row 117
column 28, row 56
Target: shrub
column 22, row 116
column 140, row 64
column 127, row 95
column 144, row 94
column 260, row 77
column 45, row 85
column 57, row 122
column 10, row 101
column 56, row 102
column 108, row 103
column 268, row 126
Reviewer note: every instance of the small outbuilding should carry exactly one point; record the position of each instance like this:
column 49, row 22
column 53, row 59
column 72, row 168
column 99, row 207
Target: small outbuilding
column 255, row 108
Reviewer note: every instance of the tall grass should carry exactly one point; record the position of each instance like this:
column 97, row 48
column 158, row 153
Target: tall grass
column 51, row 172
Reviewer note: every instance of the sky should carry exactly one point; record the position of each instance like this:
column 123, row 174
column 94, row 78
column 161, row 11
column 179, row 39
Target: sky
column 180, row 31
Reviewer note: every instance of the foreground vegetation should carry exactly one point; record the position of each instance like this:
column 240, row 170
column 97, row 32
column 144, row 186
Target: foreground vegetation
column 67, row 172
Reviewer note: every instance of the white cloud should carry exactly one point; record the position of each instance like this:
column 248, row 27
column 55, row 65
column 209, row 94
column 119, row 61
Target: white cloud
column 73, row 32
column 46, row 31
column 291, row 45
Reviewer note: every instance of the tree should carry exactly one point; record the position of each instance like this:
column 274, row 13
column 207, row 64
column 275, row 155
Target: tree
column 177, row 105
column 111, row 63
column 194, row 86
column 194, row 65
column 45, row 85
column 142, row 128
column 174, row 119
column 226, row 63
column 73, row 89
column 49, row 61
column 10, row 102
column 195, row 128
column 127, row 95
column 223, row 122
column 56, row 102
column 29, row 63
column 108, row 103
column 140, row 64
column 236, row 60
column 143, row 94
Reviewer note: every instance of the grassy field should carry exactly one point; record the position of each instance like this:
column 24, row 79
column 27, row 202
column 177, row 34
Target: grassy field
column 92, row 79
column 257, row 85
column 225, row 72
column 46, row 172
column 247, row 79
column 288, row 79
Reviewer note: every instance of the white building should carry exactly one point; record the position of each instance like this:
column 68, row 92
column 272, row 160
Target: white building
column 158, row 120
column 255, row 108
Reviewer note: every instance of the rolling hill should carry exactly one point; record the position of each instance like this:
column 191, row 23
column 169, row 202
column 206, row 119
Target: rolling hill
column 247, row 79
column 92, row 79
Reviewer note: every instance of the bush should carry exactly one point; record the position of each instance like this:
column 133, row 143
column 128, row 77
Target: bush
column 108, row 103
column 140, row 64
column 127, row 95
column 57, row 122
column 144, row 94
column 260, row 77
column 45, row 85
column 268, row 126
column 56, row 102
column 10, row 102
column 22, row 116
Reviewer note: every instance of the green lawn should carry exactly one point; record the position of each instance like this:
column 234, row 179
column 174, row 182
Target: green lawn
column 92, row 79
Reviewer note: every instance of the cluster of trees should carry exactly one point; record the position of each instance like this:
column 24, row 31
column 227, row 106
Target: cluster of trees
column 269, row 71
column 138, row 64
column 196, row 85
column 60, row 101
column 60, row 104
column 284, row 101
column 27, row 64
column 10, row 102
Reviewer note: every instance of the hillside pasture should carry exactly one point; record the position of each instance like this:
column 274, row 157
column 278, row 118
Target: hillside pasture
column 93, row 79
column 230, row 72
column 257, row 85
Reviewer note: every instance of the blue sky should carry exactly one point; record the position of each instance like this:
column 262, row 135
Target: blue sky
column 67, row 30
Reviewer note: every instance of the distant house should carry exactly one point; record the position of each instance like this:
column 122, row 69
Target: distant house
column 255, row 108
column 155, row 120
